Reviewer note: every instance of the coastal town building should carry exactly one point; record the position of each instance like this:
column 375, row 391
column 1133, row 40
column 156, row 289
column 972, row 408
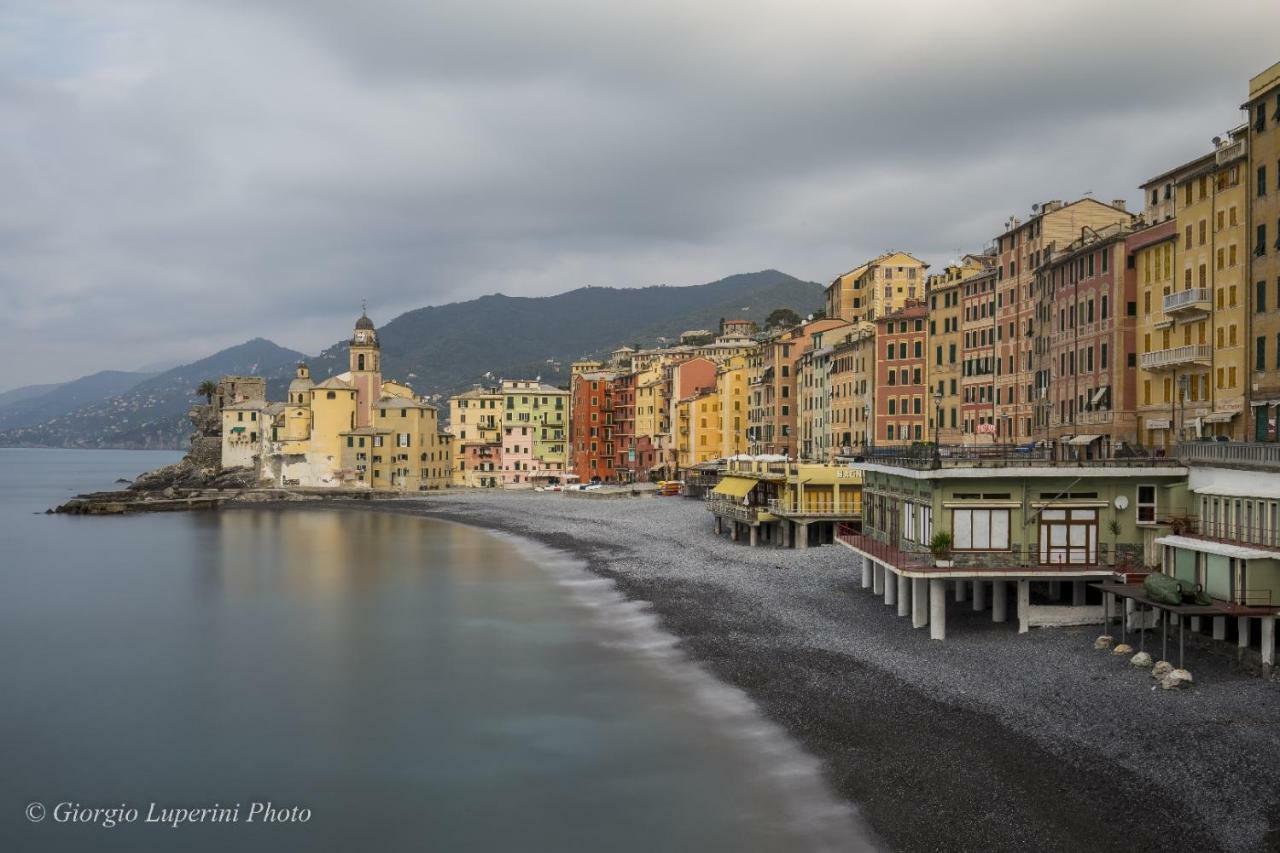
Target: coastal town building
column 1024, row 524
column 534, row 433
column 475, row 422
column 773, row 408
column 851, row 380
column 1152, row 252
column 354, row 430
column 1262, row 244
column 899, row 405
column 978, row 358
column 591, row 426
column 946, row 341
column 1019, row 252
column 1086, row 314
column 882, row 284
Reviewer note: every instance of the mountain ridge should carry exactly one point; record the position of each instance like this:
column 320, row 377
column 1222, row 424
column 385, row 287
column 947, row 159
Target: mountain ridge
column 438, row 350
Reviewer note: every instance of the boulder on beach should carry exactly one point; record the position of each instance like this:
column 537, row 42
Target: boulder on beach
column 1161, row 669
column 1176, row 679
column 1122, row 649
column 1140, row 659
column 1103, row 642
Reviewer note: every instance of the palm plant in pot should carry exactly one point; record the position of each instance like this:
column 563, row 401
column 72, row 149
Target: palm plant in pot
column 940, row 548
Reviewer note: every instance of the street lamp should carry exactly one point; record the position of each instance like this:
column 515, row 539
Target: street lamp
column 937, row 428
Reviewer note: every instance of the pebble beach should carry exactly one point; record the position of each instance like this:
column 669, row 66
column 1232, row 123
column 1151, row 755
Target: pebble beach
column 988, row 741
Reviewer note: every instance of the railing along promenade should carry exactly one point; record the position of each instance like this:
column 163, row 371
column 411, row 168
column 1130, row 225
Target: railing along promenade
column 1248, row 454
column 1047, row 454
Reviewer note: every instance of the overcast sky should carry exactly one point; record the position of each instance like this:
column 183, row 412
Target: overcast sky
column 181, row 176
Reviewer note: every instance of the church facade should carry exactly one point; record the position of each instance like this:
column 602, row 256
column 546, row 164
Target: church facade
column 354, row 430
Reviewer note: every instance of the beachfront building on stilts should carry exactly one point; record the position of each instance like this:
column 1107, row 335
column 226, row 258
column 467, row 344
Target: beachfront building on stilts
column 767, row 500
column 1228, row 541
column 1025, row 529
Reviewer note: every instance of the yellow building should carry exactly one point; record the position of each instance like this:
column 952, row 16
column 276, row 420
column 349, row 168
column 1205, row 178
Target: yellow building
column 1154, row 250
column 946, row 342
column 698, row 437
column 731, row 386
column 851, row 380
column 1262, row 247
column 355, row 430
column 1194, row 345
column 877, row 287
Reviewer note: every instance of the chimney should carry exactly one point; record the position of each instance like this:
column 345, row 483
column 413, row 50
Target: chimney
column 1118, row 202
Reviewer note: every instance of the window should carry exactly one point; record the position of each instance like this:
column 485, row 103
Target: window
column 1260, row 357
column 1146, row 504
column 980, row 529
column 1260, row 298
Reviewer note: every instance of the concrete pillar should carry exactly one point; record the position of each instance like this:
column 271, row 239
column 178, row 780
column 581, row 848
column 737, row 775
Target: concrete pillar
column 904, row 595
column 1219, row 627
column 937, row 610
column 1268, row 639
column 1242, row 631
column 733, row 530
column 802, row 536
column 1024, row 606
column 785, row 527
column 877, row 579
column 754, row 534
column 1195, row 623
column 866, row 573
column 718, row 526
column 961, row 590
column 890, row 588
column 999, row 599
column 1130, row 614
column 1077, row 593
column 919, row 602
column 979, row 596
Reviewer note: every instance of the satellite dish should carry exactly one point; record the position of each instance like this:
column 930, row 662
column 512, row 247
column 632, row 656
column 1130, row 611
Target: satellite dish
column 1122, row 502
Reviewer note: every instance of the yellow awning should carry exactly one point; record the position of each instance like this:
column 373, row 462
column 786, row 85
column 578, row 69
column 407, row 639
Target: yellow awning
column 735, row 487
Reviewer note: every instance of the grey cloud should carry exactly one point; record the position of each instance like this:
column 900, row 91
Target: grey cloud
column 185, row 175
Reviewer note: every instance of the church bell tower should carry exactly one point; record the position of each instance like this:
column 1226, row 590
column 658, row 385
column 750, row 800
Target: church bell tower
column 366, row 369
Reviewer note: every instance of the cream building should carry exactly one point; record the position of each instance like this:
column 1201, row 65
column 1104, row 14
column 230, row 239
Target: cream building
column 353, row 430
column 878, row 287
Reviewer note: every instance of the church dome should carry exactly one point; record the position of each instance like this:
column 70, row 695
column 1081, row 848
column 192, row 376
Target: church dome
column 364, row 322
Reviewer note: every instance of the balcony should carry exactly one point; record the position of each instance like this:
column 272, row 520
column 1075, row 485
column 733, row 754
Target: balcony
column 1033, row 454
column 728, row 508
column 791, row 509
column 1198, row 299
column 1229, row 532
column 1231, row 454
column 1168, row 359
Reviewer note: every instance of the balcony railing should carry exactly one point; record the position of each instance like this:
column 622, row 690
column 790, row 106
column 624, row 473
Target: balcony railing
column 842, row 509
column 727, row 508
column 1242, row 453
column 1164, row 359
column 1198, row 298
column 1040, row 453
column 1260, row 535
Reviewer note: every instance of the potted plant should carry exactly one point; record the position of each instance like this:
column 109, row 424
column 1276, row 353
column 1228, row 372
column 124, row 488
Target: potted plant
column 1114, row 527
column 940, row 548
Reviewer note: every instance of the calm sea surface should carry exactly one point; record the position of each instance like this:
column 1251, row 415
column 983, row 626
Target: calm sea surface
column 416, row 685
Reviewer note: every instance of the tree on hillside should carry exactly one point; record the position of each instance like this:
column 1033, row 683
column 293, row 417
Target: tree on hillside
column 820, row 314
column 207, row 389
column 782, row 318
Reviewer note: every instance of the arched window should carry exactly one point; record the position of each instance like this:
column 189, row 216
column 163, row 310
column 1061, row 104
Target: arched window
column 331, row 396
column 360, row 362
